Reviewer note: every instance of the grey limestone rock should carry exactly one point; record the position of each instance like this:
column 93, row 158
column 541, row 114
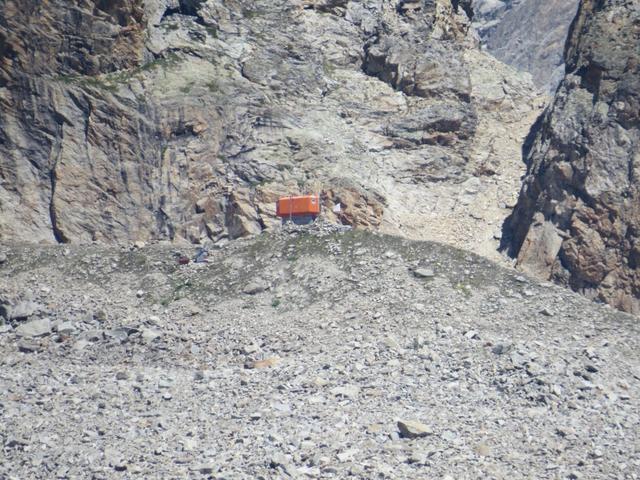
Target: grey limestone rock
column 34, row 328
column 150, row 335
column 424, row 273
column 256, row 286
column 413, row 429
column 17, row 309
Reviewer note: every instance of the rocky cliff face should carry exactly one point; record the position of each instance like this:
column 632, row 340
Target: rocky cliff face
column 59, row 161
column 577, row 219
column 528, row 34
column 170, row 119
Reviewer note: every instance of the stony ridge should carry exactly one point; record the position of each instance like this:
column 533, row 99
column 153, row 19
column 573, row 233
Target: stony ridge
column 310, row 355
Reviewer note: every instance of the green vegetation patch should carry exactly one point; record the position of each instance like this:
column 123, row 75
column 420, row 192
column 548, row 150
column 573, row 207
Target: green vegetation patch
column 113, row 81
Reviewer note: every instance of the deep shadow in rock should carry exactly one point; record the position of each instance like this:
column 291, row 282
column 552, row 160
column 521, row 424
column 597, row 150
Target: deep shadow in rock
column 508, row 243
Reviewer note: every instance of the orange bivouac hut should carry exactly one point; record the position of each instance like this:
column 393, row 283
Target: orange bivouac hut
column 300, row 210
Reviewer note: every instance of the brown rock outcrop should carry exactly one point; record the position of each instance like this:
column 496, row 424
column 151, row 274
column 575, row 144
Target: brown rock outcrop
column 577, row 220
column 67, row 38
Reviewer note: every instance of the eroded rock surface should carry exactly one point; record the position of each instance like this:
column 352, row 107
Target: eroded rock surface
column 185, row 120
column 577, row 219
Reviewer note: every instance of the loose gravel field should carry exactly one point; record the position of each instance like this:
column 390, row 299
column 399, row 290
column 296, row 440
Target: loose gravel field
column 307, row 354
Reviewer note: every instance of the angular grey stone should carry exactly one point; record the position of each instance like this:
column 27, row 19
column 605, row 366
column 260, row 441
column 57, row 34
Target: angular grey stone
column 115, row 459
column 347, row 455
column 13, row 442
column 347, row 391
column 255, row 287
column 250, row 348
column 501, row 349
column 26, row 346
column 424, row 273
column 413, row 429
column 118, row 334
column 472, row 335
column 18, row 310
column 81, row 344
column 282, row 462
column 34, row 328
column 534, row 369
column 66, row 328
column 449, row 436
column 150, row 335
column 518, row 359
column 591, row 368
column 92, row 335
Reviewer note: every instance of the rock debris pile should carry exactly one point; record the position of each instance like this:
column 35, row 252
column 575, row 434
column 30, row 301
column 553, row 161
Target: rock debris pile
column 293, row 355
column 320, row 227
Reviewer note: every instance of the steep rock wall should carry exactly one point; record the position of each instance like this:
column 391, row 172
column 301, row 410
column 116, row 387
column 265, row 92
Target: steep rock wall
column 185, row 119
column 528, row 34
column 577, row 219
